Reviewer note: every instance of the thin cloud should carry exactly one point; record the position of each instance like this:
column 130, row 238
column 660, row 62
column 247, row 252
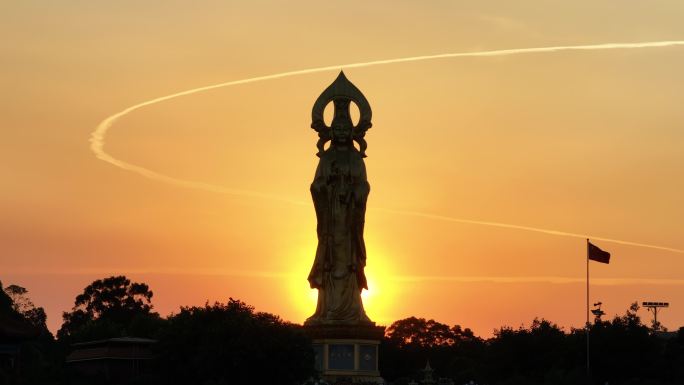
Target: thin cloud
column 528, row 228
column 419, row 279
column 539, row 279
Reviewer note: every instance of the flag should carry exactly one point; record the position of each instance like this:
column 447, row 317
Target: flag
column 596, row 254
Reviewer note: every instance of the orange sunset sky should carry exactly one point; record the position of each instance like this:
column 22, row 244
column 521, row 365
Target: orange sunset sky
column 586, row 142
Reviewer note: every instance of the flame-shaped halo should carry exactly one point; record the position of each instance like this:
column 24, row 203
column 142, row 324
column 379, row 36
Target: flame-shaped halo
column 341, row 88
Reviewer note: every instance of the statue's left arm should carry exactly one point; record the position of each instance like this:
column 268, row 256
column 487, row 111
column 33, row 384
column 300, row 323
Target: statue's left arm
column 361, row 191
column 321, row 197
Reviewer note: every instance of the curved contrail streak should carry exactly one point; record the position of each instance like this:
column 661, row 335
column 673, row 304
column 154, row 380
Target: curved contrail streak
column 527, row 228
column 97, row 137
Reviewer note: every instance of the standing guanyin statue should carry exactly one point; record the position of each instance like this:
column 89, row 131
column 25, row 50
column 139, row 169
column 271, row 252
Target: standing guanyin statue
column 340, row 190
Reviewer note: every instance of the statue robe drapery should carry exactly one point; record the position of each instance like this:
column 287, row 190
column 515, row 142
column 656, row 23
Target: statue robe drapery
column 340, row 190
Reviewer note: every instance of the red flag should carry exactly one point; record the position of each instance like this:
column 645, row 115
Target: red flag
column 596, row 254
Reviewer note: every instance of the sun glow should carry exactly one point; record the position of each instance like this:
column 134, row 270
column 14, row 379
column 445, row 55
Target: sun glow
column 301, row 297
column 377, row 300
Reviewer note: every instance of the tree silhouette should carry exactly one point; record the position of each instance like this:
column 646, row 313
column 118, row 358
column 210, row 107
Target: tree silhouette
column 531, row 354
column 110, row 307
column 624, row 348
column 22, row 304
column 410, row 342
column 22, row 327
column 231, row 344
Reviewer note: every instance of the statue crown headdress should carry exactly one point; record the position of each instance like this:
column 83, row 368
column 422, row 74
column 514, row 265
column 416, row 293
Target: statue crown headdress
column 341, row 92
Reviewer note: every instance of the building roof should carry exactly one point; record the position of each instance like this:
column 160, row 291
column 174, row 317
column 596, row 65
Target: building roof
column 116, row 341
column 124, row 348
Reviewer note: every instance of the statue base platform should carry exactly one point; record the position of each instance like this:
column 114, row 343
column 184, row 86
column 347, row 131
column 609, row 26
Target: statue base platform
column 347, row 354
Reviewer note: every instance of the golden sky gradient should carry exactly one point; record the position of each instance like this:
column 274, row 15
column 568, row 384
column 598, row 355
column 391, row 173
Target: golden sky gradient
column 587, row 142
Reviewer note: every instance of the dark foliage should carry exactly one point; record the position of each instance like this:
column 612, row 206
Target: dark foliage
column 5, row 300
column 410, row 342
column 22, row 305
column 623, row 351
column 539, row 354
column 110, row 307
column 231, row 344
column 22, row 327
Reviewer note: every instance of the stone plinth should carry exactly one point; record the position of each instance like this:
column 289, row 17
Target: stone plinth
column 347, row 353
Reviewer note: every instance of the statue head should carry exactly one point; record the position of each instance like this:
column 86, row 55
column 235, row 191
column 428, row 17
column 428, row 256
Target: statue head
column 341, row 126
column 342, row 130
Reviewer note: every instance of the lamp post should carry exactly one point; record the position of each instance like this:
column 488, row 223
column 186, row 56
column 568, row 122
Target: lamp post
column 653, row 307
column 597, row 312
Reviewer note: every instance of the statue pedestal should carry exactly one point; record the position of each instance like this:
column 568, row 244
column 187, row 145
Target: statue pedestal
column 347, row 353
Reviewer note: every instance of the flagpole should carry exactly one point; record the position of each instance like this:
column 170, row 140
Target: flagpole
column 588, row 325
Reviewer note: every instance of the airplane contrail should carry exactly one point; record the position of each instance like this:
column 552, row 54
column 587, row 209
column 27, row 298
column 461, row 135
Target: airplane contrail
column 538, row 279
column 97, row 137
column 526, row 228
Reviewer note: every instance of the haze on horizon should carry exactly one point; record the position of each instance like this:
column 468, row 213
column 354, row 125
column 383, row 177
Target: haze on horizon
column 583, row 142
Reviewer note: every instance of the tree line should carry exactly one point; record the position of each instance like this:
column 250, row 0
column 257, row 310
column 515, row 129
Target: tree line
column 231, row 343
